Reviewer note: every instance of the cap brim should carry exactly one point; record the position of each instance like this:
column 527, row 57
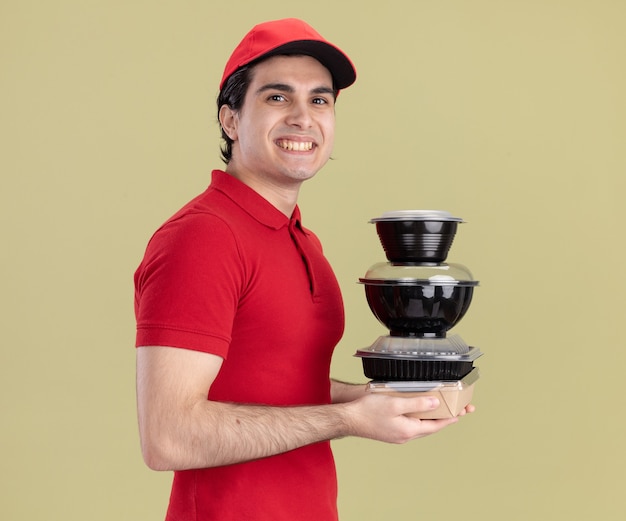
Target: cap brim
column 341, row 68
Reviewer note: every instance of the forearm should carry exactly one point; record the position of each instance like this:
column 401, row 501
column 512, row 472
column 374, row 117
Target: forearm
column 180, row 429
column 213, row 433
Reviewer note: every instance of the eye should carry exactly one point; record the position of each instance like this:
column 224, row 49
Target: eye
column 320, row 101
column 276, row 97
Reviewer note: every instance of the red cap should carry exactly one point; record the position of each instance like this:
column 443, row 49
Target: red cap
column 291, row 36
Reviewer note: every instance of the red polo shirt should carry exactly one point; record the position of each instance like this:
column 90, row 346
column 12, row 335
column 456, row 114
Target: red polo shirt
column 229, row 274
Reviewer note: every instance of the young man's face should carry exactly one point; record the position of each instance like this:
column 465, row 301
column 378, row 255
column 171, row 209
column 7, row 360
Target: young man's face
column 284, row 132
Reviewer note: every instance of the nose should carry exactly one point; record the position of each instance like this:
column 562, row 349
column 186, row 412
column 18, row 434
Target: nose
column 300, row 115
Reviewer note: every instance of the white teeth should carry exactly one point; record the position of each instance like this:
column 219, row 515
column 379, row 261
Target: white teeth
column 298, row 146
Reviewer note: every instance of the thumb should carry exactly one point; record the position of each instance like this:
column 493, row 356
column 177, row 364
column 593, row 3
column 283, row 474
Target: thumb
column 420, row 403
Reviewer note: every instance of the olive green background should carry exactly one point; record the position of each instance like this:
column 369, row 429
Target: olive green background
column 509, row 114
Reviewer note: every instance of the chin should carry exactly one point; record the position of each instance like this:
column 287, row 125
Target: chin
column 301, row 172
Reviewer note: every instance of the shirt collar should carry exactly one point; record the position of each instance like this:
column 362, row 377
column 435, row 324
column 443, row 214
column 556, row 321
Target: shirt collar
column 252, row 202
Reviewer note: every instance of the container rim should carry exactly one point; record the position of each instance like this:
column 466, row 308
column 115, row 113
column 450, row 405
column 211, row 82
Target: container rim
column 417, row 215
column 417, row 282
column 474, row 354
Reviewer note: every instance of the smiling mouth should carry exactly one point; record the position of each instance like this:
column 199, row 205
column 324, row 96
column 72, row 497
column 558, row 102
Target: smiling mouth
column 298, row 146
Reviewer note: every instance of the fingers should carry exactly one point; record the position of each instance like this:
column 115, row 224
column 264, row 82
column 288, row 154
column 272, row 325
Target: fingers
column 467, row 410
column 425, row 404
column 428, row 427
column 398, row 419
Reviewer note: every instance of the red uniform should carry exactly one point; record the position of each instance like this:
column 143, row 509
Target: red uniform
column 231, row 275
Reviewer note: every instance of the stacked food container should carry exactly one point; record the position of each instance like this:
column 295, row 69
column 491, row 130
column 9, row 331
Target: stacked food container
column 419, row 297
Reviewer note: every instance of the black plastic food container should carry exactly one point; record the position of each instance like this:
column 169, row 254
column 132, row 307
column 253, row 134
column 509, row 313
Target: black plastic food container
column 418, row 309
column 398, row 359
column 418, row 300
column 401, row 369
column 416, row 235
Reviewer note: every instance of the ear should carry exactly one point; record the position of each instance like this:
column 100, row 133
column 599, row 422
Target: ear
column 228, row 121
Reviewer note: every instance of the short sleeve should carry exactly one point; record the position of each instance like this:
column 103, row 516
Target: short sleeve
column 188, row 285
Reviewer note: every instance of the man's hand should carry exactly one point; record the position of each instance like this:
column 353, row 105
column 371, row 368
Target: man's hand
column 384, row 418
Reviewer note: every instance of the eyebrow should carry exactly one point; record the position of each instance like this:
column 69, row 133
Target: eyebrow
column 283, row 87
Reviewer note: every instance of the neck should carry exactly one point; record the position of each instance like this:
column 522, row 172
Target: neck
column 283, row 197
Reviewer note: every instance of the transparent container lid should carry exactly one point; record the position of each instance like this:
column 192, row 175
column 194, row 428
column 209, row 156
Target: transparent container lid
column 417, row 215
column 450, row 348
column 425, row 274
